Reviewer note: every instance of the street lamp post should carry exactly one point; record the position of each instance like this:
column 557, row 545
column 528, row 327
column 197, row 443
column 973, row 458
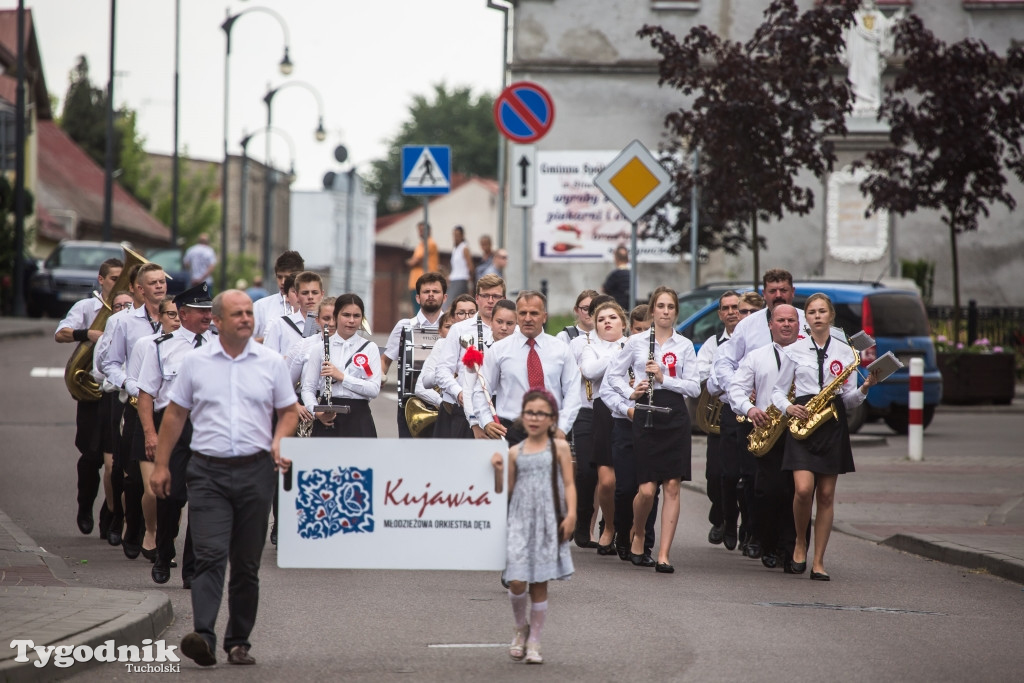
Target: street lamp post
column 320, row 134
column 503, row 6
column 286, row 68
column 244, row 193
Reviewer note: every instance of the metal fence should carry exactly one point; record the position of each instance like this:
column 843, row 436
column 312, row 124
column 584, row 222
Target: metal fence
column 1001, row 325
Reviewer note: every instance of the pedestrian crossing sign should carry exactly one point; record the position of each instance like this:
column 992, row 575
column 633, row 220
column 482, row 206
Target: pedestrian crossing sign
column 426, row 169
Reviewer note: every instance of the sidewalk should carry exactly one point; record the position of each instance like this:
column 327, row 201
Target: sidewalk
column 40, row 602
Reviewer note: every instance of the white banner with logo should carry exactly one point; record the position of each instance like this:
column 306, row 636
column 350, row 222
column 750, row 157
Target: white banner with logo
column 392, row 504
column 573, row 221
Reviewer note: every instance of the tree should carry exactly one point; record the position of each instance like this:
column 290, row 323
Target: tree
column 956, row 116
column 452, row 117
column 84, row 120
column 762, row 111
column 198, row 208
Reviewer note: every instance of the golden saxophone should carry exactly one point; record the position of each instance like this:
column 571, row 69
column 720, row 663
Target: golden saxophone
column 586, row 382
column 762, row 439
column 820, row 408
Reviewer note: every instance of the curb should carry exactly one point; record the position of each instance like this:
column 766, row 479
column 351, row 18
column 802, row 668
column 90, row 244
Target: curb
column 21, row 333
column 996, row 564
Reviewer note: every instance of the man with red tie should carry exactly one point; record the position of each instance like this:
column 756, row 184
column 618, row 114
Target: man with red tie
column 527, row 359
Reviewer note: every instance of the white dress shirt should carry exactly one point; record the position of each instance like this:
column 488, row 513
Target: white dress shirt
column 299, row 352
column 99, row 353
column 563, row 336
column 427, row 379
column 161, row 362
column 686, row 380
column 800, row 366
column 505, row 371
column 361, row 367
column 757, row 373
column 706, row 355
column 594, row 361
column 577, row 345
column 139, row 351
column 266, row 309
column 279, row 334
column 81, row 315
column 449, row 363
column 232, row 399
column 751, row 333
column 130, row 329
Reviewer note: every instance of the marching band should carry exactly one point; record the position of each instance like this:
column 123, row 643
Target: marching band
column 619, row 381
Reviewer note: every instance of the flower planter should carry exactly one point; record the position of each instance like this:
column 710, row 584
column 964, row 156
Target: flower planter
column 977, row 377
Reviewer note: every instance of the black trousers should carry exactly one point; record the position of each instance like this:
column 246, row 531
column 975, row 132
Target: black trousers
column 134, row 522
column 451, row 423
column 713, row 476
column 111, row 443
column 403, row 426
column 626, row 485
column 582, row 439
column 515, row 432
column 773, row 503
column 228, row 509
column 90, row 459
column 738, row 470
column 168, row 510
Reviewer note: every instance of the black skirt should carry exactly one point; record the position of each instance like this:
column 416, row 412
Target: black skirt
column 662, row 450
column 357, row 423
column 582, row 436
column 601, row 455
column 827, row 450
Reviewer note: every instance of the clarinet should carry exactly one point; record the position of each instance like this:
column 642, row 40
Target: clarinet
column 648, row 423
column 325, row 398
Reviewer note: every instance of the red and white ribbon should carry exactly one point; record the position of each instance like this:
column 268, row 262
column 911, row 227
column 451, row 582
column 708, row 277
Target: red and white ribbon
column 836, row 368
column 669, row 361
column 361, row 361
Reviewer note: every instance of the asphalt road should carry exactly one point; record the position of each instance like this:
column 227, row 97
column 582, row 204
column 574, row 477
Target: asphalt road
column 886, row 616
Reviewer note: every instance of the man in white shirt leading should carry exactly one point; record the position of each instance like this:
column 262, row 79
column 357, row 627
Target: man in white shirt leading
column 231, row 476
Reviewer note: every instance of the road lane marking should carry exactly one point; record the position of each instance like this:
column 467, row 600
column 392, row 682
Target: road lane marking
column 457, row 645
column 46, row 372
column 852, row 608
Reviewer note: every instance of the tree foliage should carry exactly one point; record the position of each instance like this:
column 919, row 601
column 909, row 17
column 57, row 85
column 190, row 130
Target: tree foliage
column 84, row 120
column 956, row 116
column 449, row 117
column 760, row 112
column 198, row 206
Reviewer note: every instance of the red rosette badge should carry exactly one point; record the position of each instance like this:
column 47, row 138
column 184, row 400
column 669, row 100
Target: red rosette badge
column 669, row 361
column 836, row 368
column 361, row 361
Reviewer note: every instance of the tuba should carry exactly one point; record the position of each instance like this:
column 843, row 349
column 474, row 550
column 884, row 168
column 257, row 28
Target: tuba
column 78, row 372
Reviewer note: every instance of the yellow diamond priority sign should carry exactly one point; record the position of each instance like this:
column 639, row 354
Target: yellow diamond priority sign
column 634, row 181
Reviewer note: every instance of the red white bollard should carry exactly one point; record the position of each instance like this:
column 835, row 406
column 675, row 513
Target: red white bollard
column 915, row 413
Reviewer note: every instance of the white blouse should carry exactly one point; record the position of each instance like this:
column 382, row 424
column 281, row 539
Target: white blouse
column 676, row 357
column 800, row 366
column 361, row 367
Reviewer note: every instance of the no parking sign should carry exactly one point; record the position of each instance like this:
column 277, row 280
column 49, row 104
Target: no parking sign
column 524, row 112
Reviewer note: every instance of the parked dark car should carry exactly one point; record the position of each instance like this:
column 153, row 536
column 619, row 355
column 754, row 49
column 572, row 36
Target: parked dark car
column 67, row 275
column 897, row 320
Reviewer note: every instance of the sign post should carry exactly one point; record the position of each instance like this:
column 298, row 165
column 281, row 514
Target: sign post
column 634, row 182
column 426, row 172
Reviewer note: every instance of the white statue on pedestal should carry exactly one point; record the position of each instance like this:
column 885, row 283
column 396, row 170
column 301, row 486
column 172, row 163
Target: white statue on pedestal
column 868, row 42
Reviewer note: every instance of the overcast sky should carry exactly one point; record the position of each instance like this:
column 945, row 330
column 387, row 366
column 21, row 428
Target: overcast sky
column 367, row 58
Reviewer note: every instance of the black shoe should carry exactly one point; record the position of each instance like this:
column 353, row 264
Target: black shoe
column 273, row 534
column 792, row 567
column 583, row 541
column 116, row 529
column 84, row 520
column 186, row 582
column 605, row 549
column 161, row 572
column 149, row 554
column 106, row 516
column 132, row 547
column 753, row 550
column 195, row 647
column 820, row 576
column 644, row 560
column 717, row 534
column 729, row 539
column 664, row 568
column 623, row 551
column 769, row 560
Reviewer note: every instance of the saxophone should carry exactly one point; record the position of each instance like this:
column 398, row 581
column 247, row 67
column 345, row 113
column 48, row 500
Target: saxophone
column 762, row 439
column 820, row 408
column 586, row 382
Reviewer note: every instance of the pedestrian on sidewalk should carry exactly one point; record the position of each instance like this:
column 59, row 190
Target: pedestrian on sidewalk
column 231, row 476
column 541, row 520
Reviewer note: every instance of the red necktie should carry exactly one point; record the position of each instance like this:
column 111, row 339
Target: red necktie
column 534, row 370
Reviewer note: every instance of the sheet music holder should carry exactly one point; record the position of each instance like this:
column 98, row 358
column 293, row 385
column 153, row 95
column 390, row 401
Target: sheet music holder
column 862, row 341
column 886, row 364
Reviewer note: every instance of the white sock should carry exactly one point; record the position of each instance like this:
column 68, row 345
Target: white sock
column 538, row 613
column 519, row 607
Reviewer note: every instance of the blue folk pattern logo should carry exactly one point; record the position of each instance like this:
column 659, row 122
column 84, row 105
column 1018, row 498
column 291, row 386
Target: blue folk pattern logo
column 333, row 501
